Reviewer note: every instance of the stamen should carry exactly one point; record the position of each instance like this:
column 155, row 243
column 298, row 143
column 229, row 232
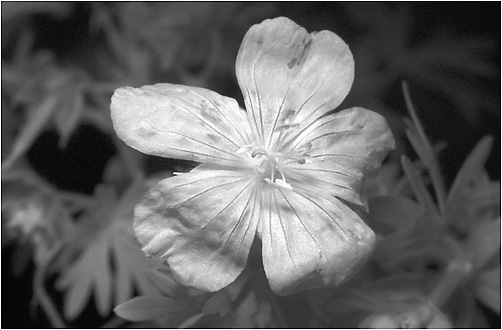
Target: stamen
column 282, row 175
column 283, row 184
column 244, row 149
column 269, row 168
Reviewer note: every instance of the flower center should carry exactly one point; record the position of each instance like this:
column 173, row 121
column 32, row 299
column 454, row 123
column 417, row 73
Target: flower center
column 270, row 169
column 269, row 165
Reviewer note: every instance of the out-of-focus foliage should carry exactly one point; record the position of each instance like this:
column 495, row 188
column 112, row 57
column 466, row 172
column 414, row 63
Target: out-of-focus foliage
column 438, row 257
column 110, row 265
column 450, row 66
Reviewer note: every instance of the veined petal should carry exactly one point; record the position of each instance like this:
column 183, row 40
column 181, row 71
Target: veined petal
column 341, row 148
column 203, row 223
column 310, row 240
column 290, row 77
column 181, row 122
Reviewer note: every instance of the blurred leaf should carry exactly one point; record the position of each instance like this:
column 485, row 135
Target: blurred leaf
column 163, row 282
column 14, row 9
column 388, row 182
column 149, row 308
column 487, row 288
column 421, row 193
column 190, row 322
column 484, row 242
column 130, row 262
column 486, row 195
column 253, row 311
column 219, row 302
column 68, row 117
column 440, row 321
column 79, row 280
column 420, row 142
column 37, row 120
column 51, row 95
column 469, row 171
column 108, row 239
column 183, row 40
column 392, row 213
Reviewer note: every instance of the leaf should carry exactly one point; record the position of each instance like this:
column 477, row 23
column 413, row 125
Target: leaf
column 16, row 11
column 421, row 193
column 77, row 281
column 252, row 311
column 422, row 146
column 191, row 321
column 112, row 240
column 388, row 214
column 131, row 262
column 69, row 114
column 484, row 242
column 487, row 288
column 103, row 278
column 219, row 302
column 163, row 281
column 145, row 308
column 486, row 196
column 37, row 119
column 471, row 168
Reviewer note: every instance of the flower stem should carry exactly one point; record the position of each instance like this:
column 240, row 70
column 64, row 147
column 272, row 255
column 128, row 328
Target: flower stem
column 41, row 295
column 278, row 312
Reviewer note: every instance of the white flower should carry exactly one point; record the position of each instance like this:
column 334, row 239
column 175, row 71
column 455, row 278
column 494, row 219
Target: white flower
column 281, row 170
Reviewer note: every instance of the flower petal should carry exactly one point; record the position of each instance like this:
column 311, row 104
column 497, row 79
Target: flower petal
column 289, row 76
column 310, row 240
column 202, row 222
column 181, row 122
column 341, row 148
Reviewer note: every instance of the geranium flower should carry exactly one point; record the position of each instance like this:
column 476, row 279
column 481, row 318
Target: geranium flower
column 282, row 171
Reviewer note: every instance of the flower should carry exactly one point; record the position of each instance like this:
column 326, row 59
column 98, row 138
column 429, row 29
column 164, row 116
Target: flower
column 284, row 170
